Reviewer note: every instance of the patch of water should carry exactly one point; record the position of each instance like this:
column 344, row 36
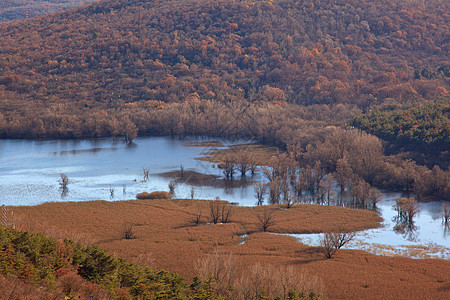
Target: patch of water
column 30, row 170
column 429, row 239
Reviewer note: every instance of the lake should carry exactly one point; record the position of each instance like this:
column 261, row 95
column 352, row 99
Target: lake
column 112, row 170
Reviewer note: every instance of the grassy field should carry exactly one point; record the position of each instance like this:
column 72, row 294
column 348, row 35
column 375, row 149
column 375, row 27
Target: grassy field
column 168, row 238
column 260, row 153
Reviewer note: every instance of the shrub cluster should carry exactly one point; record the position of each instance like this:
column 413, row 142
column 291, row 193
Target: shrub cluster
column 68, row 268
column 154, row 195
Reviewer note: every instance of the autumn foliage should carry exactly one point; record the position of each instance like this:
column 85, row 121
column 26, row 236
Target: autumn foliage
column 115, row 54
column 154, row 195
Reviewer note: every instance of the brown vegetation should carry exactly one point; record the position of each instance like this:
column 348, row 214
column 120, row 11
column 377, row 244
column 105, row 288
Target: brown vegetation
column 164, row 233
column 327, row 52
column 127, row 231
column 13, row 9
column 154, row 195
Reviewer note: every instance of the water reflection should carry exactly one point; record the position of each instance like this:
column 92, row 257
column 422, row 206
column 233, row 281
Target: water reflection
column 409, row 231
column 64, row 191
column 78, row 151
column 446, row 230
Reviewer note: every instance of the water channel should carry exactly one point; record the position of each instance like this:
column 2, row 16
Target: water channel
column 112, row 170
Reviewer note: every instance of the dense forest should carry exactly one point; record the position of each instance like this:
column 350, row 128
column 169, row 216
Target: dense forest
column 303, row 52
column 22, row 9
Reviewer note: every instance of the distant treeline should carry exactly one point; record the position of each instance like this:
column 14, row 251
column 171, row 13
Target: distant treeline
column 314, row 136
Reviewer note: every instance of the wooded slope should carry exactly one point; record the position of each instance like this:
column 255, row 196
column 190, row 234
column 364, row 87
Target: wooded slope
column 305, row 52
column 22, row 9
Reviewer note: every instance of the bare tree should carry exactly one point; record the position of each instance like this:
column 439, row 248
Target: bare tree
column 64, row 184
column 181, row 171
column 266, row 219
column 374, row 197
column 289, row 198
column 64, row 181
column 445, row 213
column 128, row 129
column 360, row 192
column 127, row 231
column 225, row 213
column 407, row 209
column 300, row 182
column 242, row 159
column 331, row 242
column 366, row 156
column 327, row 186
column 252, row 164
column 198, row 217
column 146, row 172
column 260, row 189
column 343, row 173
column 274, row 191
column 172, row 184
column 214, row 211
column 228, row 165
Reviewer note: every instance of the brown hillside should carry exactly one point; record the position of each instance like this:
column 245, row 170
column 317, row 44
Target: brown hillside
column 112, row 53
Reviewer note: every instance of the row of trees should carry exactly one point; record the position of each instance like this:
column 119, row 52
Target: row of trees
column 289, row 182
column 314, row 137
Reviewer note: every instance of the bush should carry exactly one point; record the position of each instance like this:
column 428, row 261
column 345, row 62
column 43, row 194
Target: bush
column 154, row 195
column 331, row 242
column 127, row 231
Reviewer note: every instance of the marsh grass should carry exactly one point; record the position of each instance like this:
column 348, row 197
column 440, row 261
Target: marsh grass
column 164, row 241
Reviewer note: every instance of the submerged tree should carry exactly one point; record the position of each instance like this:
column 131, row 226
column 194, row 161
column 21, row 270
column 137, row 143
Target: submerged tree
column 445, row 213
column 407, row 209
column 64, row 184
column 260, row 189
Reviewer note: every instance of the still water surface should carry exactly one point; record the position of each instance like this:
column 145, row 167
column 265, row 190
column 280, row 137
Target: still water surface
column 30, row 170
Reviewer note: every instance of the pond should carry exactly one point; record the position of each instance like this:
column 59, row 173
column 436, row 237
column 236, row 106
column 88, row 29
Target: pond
column 112, row 170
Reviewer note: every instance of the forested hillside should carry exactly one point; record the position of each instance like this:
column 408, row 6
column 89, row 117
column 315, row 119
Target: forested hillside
column 128, row 67
column 304, row 52
column 22, row 9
